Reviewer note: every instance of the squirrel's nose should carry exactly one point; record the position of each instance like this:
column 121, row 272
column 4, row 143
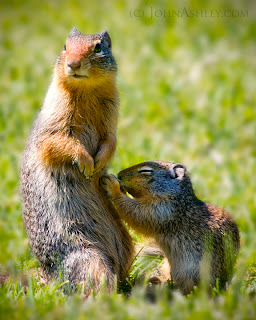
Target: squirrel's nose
column 74, row 65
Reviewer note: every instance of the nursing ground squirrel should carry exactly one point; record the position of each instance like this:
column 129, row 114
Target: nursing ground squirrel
column 195, row 236
column 71, row 224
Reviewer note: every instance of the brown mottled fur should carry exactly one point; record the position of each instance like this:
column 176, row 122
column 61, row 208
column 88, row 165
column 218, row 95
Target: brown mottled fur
column 197, row 238
column 71, row 224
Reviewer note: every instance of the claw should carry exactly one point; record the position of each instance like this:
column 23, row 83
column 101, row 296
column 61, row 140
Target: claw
column 88, row 177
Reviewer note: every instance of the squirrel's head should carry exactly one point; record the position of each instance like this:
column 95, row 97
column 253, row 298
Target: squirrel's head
column 86, row 59
column 159, row 178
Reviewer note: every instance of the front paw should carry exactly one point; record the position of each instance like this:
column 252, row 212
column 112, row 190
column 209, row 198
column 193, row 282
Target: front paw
column 104, row 153
column 100, row 160
column 111, row 185
column 99, row 164
column 86, row 166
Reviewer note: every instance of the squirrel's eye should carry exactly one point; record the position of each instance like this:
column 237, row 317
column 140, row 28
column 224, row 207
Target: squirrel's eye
column 97, row 48
column 65, row 46
column 146, row 170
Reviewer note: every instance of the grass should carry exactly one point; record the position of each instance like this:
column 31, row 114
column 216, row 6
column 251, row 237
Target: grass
column 187, row 87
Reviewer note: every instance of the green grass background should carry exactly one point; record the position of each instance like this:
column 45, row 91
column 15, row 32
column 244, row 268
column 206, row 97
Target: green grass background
column 187, row 87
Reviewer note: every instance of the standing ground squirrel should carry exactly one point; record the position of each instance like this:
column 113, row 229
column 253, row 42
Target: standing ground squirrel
column 193, row 234
column 71, row 224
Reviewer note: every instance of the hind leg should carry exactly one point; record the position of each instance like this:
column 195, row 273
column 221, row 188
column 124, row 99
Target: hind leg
column 89, row 268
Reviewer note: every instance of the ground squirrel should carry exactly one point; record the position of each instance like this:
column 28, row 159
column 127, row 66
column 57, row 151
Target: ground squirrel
column 188, row 230
column 71, row 224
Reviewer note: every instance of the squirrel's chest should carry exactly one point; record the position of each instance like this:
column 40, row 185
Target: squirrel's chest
column 90, row 138
column 89, row 125
column 89, row 134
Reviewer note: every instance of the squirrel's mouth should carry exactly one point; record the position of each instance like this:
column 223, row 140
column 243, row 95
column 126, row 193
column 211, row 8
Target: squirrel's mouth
column 124, row 188
column 78, row 76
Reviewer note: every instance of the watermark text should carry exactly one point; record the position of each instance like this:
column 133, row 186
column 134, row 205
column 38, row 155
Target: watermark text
column 151, row 13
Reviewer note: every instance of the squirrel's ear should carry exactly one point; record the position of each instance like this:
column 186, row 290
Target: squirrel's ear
column 74, row 32
column 106, row 37
column 179, row 170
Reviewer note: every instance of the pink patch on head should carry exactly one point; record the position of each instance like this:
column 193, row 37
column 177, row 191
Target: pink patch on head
column 79, row 47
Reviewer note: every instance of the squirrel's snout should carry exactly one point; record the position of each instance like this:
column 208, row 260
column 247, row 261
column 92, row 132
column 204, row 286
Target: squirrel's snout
column 74, row 65
column 77, row 69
